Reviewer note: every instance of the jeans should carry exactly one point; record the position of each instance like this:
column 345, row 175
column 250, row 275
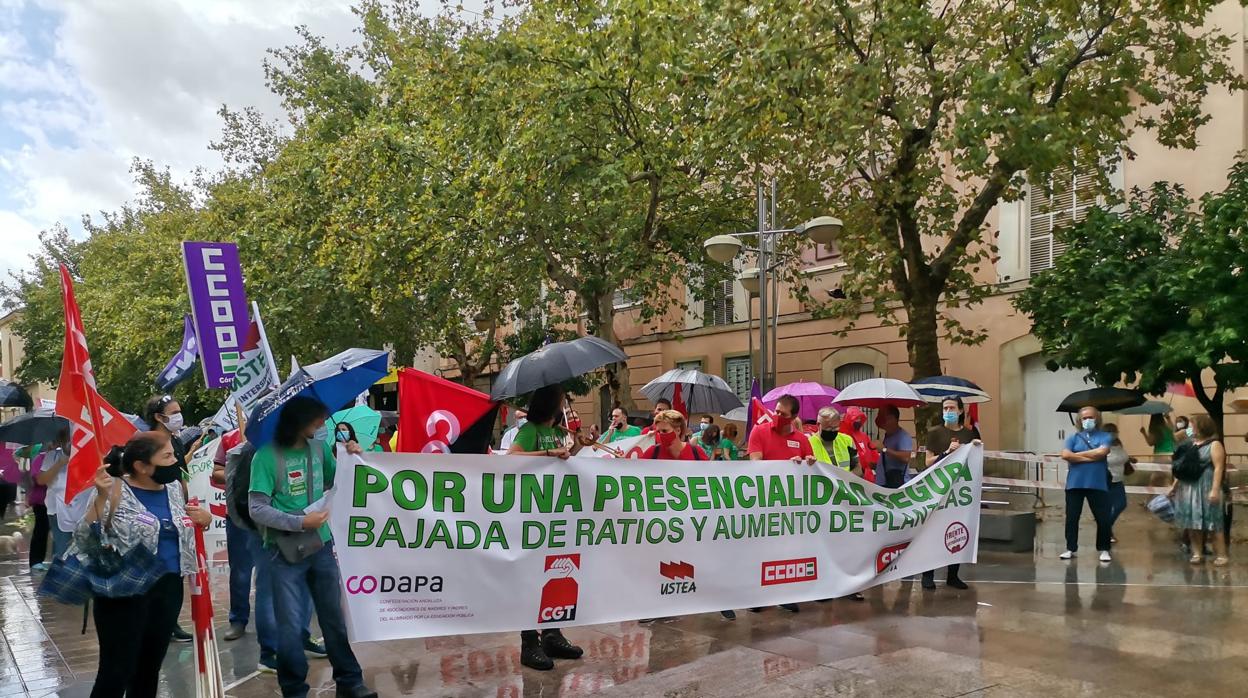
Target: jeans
column 60, row 539
column 134, row 634
column 1117, row 501
column 39, row 537
column 266, row 620
column 1098, row 502
column 240, row 573
column 291, row 582
column 894, row 479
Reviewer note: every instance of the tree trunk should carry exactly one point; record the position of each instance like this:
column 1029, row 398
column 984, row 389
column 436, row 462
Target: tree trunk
column 1212, row 405
column 923, row 349
column 602, row 316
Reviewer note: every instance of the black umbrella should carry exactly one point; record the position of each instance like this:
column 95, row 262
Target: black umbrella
column 1103, row 399
column 39, row 427
column 14, row 395
column 554, row 363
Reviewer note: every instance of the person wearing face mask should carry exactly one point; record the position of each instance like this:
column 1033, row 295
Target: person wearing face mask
column 295, row 469
column 896, row 448
column 345, row 434
column 942, row 440
column 830, row 445
column 620, row 428
column 164, row 414
column 1198, row 509
column 669, row 443
column 1087, row 452
column 1182, row 430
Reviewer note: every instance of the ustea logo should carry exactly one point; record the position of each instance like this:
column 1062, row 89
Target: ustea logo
column 956, row 537
column 681, row 574
column 403, row 584
column 560, row 592
column 887, row 556
column 789, row 571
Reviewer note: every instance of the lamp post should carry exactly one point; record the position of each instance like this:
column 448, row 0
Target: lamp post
column 760, row 280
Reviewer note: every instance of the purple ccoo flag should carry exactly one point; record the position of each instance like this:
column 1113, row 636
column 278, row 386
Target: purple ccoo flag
column 183, row 363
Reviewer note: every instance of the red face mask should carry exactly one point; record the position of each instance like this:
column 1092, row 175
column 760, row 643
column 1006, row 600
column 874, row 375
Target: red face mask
column 665, row 439
column 574, row 425
column 781, row 424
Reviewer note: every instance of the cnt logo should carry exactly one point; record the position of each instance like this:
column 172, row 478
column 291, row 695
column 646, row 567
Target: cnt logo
column 804, row 569
column 888, row 556
column 681, row 574
column 560, row 592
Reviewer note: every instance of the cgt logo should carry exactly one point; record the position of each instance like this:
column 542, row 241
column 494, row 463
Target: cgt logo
column 559, row 594
column 368, row 584
column 804, row 569
column 677, row 571
column 887, row 556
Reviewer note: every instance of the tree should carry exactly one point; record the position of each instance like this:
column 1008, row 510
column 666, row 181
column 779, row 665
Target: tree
column 913, row 120
column 1154, row 294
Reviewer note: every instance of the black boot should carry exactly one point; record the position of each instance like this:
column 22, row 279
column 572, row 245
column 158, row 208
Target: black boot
column 531, row 653
column 558, row 647
column 929, row 580
column 790, row 607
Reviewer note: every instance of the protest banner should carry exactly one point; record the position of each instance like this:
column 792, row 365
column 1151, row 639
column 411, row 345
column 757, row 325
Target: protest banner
column 256, row 375
column 214, row 280
column 183, row 361
column 632, row 447
column 199, row 486
column 448, row 544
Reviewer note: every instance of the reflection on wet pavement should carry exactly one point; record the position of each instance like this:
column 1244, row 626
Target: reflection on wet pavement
column 1147, row 624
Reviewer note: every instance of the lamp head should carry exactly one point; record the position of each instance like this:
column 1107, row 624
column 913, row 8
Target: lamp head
column 722, row 248
column 748, row 278
column 822, row 230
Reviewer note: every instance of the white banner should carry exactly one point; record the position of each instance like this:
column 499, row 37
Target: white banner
column 448, row 544
column 199, row 485
column 632, row 447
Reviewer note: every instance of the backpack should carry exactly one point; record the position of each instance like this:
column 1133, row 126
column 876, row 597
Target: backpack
column 1185, row 464
column 238, row 485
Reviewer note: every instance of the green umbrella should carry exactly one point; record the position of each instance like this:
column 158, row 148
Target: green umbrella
column 364, row 419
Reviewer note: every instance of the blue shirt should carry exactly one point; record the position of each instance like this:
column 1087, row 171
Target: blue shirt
column 899, row 440
column 1088, row 476
column 157, row 504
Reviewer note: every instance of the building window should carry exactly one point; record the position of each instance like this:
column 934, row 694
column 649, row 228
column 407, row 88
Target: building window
column 827, row 252
column 717, row 309
column 691, row 365
column 848, row 374
column 1065, row 199
column 624, row 298
column 738, row 373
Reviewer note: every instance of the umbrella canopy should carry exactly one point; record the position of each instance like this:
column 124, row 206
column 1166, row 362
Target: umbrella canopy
column 554, row 363
column 938, row 388
column 702, row 392
column 333, row 382
column 812, row 396
column 14, row 395
column 38, row 427
column 365, row 420
column 737, row 414
column 874, row 393
column 1150, row 407
column 1104, row 399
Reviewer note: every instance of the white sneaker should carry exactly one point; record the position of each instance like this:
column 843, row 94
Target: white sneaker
column 1105, row 556
column 1066, row 555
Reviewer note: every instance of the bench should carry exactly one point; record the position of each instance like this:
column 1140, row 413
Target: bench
column 1008, row 531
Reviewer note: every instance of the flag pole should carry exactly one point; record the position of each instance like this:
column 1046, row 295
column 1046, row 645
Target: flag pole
column 264, row 344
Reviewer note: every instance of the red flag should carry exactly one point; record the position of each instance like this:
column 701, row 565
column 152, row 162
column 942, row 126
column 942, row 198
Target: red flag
column 678, row 402
column 759, row 412
column 207, row 662
column 1185, row 389
column 972, row 415
column 96, row 425
column 440, row 416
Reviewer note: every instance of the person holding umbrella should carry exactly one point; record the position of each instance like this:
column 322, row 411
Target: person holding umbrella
column 943, row 440
column 542, row 436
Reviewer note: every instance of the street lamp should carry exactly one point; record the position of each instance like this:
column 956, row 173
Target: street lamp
column 822, row 230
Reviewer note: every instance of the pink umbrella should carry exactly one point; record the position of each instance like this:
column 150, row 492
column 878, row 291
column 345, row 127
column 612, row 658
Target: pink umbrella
column 813, row 397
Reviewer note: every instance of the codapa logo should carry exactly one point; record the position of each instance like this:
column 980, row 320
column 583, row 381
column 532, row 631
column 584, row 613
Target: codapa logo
column 804, row 569
column 681, row 574
column 385, row 584
column 559, row 594
column 887, row 557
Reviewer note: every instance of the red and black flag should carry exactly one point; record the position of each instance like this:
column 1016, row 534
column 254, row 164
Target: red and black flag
column 440, row 416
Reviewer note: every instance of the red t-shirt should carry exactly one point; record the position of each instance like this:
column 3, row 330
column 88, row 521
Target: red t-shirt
column 689, row 452
column 774, row 446
column 228, row 441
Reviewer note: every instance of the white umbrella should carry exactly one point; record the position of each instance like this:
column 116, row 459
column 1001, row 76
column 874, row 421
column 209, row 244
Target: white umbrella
column 874, row 393
column 701, row 392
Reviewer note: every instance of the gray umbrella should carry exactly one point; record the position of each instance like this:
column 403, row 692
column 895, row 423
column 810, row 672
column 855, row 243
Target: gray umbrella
column 14, row 395
column 1150, row 407
column 701, row 392
column 38, row 427
column 554, row 363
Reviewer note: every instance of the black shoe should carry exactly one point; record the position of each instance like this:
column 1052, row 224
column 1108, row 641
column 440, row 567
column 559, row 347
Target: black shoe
column 791, row 607
column 533, row 656
column 825, row 600
column 236, row 631
column 756, row 609
column 312, row 648
column 360, row 691
column 730, row 615
column 180, row 635
column 929, row 582
column 857, row 597
column 957, row 583
column 557, row 646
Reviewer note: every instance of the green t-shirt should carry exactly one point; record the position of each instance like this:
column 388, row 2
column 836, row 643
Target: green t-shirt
column 628, row 432
column 729, row 449
column 535, row 437
column 292, row 498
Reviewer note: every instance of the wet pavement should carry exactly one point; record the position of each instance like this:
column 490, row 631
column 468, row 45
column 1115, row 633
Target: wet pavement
column 1147, row 624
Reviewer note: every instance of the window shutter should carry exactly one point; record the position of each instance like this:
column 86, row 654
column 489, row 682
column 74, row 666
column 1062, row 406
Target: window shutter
column 737, row 375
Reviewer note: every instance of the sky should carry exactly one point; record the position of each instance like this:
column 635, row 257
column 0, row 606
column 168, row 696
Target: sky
column 86, row 86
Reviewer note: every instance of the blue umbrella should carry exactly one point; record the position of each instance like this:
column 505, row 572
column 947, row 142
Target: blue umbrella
column 938, row 388
column 333, row 382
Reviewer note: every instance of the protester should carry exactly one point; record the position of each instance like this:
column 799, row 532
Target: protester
column 509, row 436
column 1088, row 480
column 707, row 441
column 1182, row 430
column 669, row 444
column 868, row 458
column 345, row 433
column 286, row 476
column 164, row 414
column 237, row 550
column 896, row 449
column 942, row 440
column 660, row 405
column 1198, row 503
column 50, row 471
column 1160, row 434
column 540, row 436
column 704, row 421
column 1118, row 461
column 36, row 499
column 134, row 631
column 571, row 418
column 779, row 441
column 831, row 446
column 620, row 428
column 10, row 474
column 729, row 447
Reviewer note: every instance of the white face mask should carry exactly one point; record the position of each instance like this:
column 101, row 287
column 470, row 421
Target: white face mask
column 173, row 422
